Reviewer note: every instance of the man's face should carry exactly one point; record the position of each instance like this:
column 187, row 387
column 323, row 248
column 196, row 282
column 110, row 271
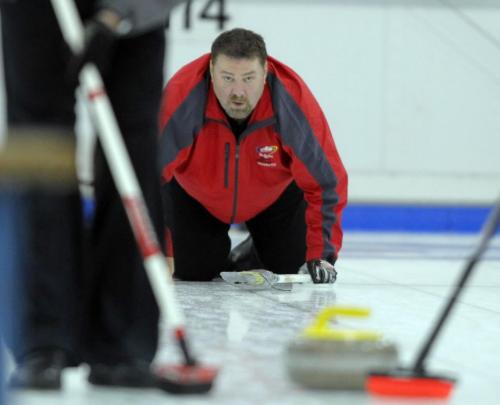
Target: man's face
column 238, row 84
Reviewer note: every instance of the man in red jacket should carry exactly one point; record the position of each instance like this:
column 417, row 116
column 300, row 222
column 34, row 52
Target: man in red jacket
column 244, row 140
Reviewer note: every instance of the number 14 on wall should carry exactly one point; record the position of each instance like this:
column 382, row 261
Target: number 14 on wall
column 218, row 15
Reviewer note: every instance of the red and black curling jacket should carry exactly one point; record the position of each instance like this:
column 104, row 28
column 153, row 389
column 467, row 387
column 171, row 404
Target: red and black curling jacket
column 287, row 138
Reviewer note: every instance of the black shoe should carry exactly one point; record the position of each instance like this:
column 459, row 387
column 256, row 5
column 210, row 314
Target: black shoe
column 244, row 256
column 132, row 375
column 39, row 370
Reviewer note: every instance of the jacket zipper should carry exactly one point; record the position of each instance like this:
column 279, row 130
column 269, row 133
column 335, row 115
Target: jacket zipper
column 236, row 166
column 236, row 160
column 226, row 165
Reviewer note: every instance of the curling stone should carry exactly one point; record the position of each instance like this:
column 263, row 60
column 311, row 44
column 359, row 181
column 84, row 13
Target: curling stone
column 330, row 358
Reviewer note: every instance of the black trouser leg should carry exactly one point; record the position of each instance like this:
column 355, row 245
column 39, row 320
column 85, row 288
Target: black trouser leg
column 279, row 232
column 201, row 242
column 36, row 250
column 123, row 318
column 36, row 94
column 51, row 270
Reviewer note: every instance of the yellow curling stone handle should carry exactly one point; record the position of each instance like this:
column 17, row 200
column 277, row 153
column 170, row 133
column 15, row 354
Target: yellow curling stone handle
column 321, row 330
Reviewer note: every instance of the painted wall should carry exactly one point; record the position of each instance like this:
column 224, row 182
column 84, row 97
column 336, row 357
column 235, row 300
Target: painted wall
column 410, row 87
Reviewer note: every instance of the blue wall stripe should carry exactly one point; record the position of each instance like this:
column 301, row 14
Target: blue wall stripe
column 399, row 218
column 414, row 218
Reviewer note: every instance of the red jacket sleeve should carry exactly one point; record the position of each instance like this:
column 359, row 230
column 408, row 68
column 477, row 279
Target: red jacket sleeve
column 315, row 162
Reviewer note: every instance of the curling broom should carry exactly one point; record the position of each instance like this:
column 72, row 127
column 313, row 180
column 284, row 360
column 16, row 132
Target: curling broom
column 416, row 381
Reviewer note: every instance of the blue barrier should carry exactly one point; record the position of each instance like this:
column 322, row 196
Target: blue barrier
column 414, row 218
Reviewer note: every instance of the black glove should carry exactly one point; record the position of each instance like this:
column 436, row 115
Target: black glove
column 97, row 49
column 321, row 271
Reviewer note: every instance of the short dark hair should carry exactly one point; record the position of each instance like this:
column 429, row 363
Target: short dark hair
column 240, row 43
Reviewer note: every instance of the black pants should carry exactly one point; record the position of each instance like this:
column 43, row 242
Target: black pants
column 104, row 311
column 201, row 243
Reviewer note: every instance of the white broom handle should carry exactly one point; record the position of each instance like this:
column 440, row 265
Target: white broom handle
column 294, row 278
column 121, row 168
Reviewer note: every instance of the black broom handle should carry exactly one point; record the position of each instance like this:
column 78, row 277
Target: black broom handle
column 488, row 231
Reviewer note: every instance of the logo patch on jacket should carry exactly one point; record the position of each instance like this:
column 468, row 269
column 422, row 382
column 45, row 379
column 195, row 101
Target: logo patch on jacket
column 266, row 155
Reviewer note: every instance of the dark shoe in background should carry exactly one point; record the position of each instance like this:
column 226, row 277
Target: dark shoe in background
column 244, row 256
column 40, row 370
column 132, row 375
